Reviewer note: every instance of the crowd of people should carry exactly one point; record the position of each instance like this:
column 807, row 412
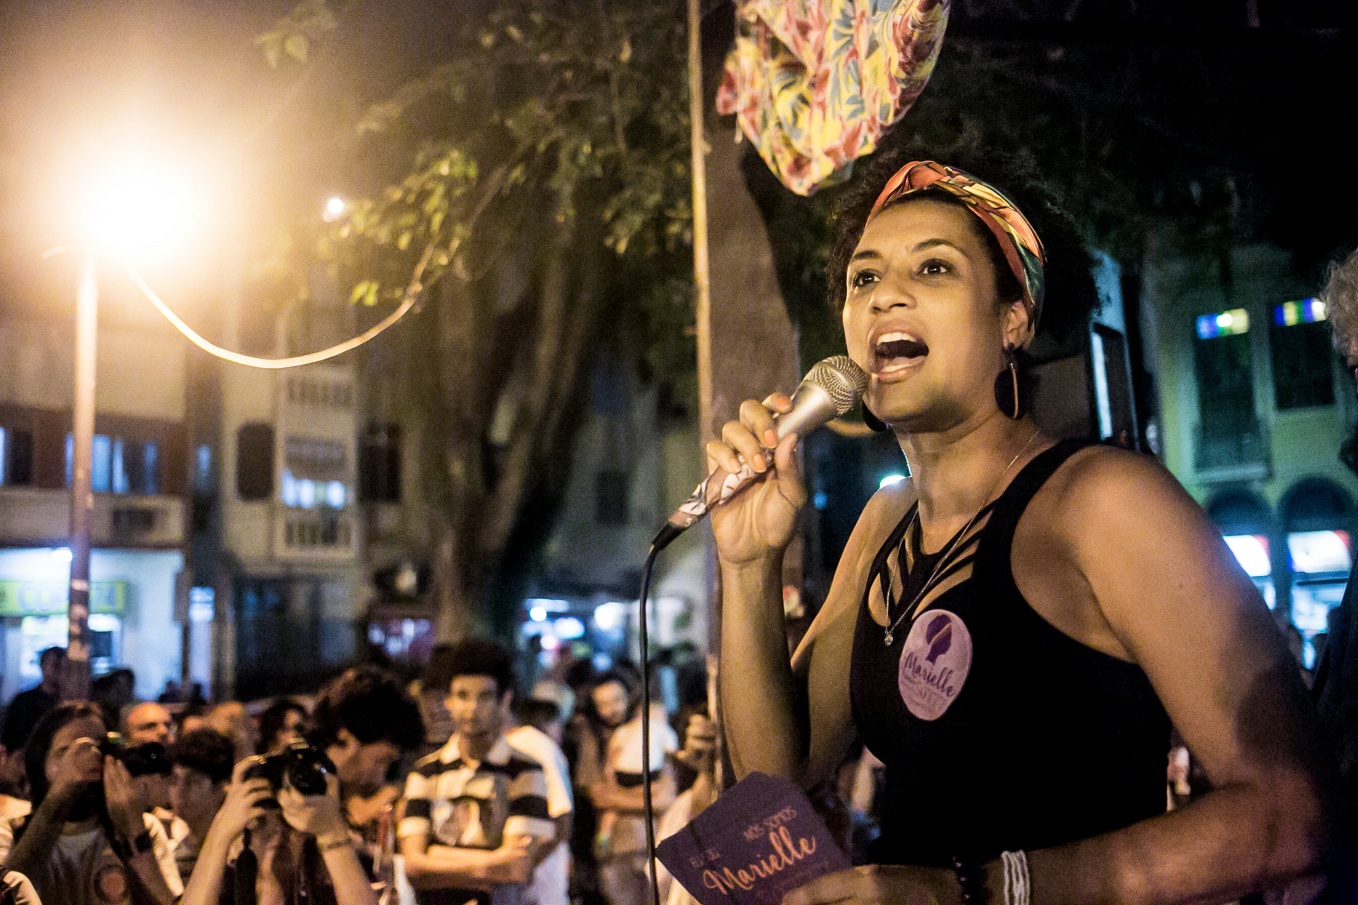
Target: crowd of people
column 451, row 788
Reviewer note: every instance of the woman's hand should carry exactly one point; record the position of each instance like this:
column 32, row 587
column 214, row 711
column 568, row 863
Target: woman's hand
column 79, row 766
column 763, row 519
column 244, row 802
column 887, row 884
column 321, row 816
column 125, row 806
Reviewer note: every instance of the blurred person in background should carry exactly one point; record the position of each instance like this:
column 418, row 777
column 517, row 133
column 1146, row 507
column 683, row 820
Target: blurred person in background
column 201, row 761
column 432, row 695
column 148, row 722
column 232, row 720
column 88, row 840
column 306, row 851
column 311, row 860
column 477, row 818
column 612, row 766
column 114, row 692
column 551, row 876
column 30, row 706
column 280, row 724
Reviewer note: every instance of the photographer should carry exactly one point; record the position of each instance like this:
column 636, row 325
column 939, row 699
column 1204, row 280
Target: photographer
column 87, row 840
column 363, row 720
column 310, row 858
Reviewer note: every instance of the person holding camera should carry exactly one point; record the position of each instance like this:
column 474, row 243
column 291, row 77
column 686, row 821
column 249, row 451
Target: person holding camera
column 309, row 858
column 305, row 849
column 88, row 840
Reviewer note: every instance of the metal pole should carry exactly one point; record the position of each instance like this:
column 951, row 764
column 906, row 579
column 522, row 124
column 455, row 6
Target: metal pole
column 702, row 317
column 702, row 281
column 76, row 682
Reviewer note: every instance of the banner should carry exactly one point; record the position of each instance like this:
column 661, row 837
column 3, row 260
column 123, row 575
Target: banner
column 49, row 598
column 815, row 83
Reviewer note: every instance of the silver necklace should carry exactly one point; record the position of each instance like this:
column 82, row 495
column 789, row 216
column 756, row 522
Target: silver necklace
column 889, row 635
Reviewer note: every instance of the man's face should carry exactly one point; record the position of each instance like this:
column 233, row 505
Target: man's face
column 361, row 767
column 149, row 722
column 611, row 703
column 194, row 796
column 52, row 666
column 477, row 706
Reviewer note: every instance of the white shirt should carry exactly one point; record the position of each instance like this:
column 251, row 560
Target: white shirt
column 551, row 878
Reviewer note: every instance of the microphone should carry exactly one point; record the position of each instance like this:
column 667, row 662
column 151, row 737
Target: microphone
column 827, row 391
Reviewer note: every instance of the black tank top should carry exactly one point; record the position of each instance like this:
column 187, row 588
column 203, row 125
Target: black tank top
column 998, row 731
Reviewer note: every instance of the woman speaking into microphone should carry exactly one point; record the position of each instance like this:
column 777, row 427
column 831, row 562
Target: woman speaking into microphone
column 1020, row 603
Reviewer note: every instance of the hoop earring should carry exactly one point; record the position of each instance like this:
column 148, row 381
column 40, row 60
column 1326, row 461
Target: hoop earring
column 1008, row 388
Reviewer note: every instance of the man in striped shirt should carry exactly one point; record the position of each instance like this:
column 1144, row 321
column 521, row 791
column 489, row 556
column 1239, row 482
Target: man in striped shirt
column 476, row 817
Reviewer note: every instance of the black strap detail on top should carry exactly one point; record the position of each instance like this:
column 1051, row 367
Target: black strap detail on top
column 993, row 555
column 880, row 573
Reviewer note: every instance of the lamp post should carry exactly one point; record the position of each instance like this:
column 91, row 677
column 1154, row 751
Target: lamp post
column 135, row 206
column 76, row 680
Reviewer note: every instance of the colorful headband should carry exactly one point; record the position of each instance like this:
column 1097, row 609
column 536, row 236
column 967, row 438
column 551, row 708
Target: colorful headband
column 1018, row 240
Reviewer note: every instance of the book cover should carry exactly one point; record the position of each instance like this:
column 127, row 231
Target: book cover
column 760, row 840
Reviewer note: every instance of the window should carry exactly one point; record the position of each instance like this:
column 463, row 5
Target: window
column 16, row 457
column 254, row 461
column 379, row 464
column 1300, row 345
column 1229, row 432
column 117, row 465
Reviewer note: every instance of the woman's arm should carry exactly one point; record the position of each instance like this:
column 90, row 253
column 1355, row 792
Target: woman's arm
column 784, row 717
column 1156, row 569
column 322, row 816
column 242, row 806
column 135, row 841
column 34, row 847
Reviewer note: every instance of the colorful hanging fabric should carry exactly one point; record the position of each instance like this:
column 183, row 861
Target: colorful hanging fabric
column 815, row 83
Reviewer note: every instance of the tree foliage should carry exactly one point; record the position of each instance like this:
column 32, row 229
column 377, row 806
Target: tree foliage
column 542, row 190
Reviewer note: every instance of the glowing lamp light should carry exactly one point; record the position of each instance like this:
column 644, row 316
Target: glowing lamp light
column 569, row 628
column 334, row 209
column 538, row 614
column 62, row 555
column 609, row 616
column 890, row 480
column 135, row 207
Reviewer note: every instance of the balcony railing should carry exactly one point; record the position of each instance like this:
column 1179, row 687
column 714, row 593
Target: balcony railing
column 1243, row 452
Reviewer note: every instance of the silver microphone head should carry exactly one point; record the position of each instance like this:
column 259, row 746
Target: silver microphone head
column 828, row 391
column 845, row 381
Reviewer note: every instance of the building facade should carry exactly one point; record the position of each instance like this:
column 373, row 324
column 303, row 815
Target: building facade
column 1254, row 409
column 139, row 606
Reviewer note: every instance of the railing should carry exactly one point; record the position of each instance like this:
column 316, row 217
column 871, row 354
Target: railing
column 1244, row 452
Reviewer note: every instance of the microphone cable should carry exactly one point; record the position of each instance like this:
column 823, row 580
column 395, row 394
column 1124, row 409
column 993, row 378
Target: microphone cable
column 648, row 810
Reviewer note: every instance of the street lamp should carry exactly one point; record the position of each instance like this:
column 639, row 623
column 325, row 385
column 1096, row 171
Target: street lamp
column 133, row 206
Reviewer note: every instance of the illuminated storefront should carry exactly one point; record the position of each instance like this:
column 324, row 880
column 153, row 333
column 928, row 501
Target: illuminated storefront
column 132, row 613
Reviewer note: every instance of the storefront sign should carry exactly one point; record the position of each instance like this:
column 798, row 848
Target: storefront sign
column 49, row 598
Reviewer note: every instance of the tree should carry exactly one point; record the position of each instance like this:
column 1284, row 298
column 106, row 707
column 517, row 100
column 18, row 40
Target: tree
column 543, row 191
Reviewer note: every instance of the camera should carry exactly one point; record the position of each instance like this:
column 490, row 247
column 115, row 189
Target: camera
column 304, row 767
column 146, row 759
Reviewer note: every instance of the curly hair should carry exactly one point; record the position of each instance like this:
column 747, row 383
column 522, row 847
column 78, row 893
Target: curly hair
column 1071, row 297
column 207, row 751
column 371, row 705
column 1341, row 300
